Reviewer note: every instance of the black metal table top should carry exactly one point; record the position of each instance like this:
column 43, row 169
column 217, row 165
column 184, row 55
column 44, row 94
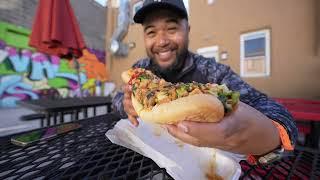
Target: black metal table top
column 55, row 105
column 88, row 154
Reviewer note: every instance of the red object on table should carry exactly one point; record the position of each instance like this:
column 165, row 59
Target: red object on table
column 55, row 29
column 301, row 109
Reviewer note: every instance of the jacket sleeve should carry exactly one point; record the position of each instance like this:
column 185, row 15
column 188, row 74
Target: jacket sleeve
column 117, row 104
column 258, row 100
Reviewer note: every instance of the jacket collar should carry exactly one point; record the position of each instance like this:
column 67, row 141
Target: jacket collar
column 188, row 65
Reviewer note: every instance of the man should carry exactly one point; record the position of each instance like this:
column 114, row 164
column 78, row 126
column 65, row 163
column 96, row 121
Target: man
column 257, row 127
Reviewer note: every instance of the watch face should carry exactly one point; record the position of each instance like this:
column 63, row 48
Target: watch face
column 114, row 46
column 268, row 158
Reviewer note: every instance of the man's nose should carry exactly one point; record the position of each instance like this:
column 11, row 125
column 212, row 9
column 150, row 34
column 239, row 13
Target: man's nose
column 162, row 40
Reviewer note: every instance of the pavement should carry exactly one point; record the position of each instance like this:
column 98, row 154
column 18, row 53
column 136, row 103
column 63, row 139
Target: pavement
column 10, row 122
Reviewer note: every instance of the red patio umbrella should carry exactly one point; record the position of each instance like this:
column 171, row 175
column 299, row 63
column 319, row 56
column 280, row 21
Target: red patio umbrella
column 55, row 31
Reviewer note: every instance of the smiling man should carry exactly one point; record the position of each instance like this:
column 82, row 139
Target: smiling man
column 259, row 127
column 166, row 38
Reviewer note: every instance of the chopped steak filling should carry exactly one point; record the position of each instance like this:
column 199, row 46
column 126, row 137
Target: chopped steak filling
column 150, row 90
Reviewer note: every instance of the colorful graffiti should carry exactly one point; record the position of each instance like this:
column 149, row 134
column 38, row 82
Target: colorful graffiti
column 32, row 75
column 28, row 74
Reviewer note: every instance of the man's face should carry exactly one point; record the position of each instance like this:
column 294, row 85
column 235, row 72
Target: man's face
column 166, row 38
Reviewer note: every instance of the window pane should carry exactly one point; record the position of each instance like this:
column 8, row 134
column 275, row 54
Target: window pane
column 255, row 47
column 255, row 54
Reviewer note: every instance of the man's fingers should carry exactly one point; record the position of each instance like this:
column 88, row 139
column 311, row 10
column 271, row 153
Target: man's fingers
column 133, row 112
column 133, row 120
column 127, row 104
column 182, row 135
column 127, row 95
column 200, row 129
column 127, row 88
column 209, row 134
column 127, row 92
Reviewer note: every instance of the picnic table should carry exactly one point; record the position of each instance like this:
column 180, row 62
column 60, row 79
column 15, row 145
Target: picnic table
column 87, row 154
column 57, row 107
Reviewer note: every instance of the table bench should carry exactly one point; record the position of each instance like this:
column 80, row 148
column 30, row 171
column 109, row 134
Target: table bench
column 59, row 107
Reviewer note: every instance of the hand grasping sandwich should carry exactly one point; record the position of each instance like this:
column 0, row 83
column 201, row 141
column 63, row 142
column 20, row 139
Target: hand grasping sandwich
column 191, row 111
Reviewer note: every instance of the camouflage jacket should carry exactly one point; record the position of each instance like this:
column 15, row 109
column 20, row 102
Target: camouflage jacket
column 207, row 70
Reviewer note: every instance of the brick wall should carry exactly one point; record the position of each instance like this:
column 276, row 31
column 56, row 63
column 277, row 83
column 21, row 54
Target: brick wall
column 91, row 18
column 317, row 29
column 18, row 12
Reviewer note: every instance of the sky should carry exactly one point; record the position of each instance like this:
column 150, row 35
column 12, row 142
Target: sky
column 102, row 2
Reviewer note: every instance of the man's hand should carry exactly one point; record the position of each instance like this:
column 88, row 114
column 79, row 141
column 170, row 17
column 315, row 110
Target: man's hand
column 245, row 131
column 127, row 104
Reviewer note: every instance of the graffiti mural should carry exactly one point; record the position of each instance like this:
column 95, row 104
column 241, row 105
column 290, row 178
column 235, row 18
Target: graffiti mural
column 25, row 74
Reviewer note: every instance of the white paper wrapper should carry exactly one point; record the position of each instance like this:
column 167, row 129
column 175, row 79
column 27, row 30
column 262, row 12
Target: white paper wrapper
column 182, row 161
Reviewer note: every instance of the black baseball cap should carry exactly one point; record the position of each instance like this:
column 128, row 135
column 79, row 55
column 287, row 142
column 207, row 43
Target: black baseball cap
column 150, row 5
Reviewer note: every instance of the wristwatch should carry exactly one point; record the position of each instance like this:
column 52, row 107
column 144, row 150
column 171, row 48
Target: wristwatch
column 284, row 150
column 269, row 157
column 274, row 155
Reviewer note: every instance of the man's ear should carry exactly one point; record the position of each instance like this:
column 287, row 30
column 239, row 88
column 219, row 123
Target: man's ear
column 187, row 25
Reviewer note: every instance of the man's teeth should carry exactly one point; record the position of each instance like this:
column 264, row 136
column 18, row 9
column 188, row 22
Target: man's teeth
column 165, row 54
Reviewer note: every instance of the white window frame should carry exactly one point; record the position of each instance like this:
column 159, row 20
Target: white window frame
column 253, row 35
column 207, row 50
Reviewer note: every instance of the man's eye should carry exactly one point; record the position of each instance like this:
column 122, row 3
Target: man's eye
column 150, row 33
column 172, row 29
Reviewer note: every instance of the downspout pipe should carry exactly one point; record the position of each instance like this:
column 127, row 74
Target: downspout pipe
column 117, row 47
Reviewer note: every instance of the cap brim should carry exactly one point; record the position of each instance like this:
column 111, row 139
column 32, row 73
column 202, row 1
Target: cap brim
column 142, row 12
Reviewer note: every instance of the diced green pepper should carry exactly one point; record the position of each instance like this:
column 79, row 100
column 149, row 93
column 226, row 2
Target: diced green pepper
column 161, row 96
column 134, row 88
column 143, row 77
column 235, row 97
column 181, row 91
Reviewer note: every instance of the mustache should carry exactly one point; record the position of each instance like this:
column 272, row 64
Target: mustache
column 164, row 49
column 169, row 72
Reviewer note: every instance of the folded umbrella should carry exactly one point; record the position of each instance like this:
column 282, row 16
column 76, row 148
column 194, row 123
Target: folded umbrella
column 55, row 31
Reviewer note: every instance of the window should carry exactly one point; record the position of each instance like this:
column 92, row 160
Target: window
column 209, row 52
column 255, row 54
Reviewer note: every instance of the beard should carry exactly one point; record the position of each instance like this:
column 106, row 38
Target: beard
column 170, row 72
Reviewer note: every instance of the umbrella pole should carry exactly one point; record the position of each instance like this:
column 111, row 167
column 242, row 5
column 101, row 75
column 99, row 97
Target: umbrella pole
column 77, row 66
